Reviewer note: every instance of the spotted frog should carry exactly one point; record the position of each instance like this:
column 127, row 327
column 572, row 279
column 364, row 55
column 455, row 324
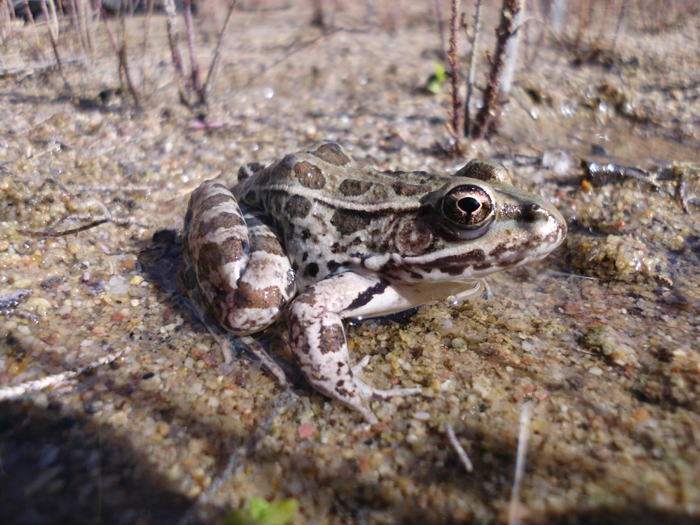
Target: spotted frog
column 320, row 237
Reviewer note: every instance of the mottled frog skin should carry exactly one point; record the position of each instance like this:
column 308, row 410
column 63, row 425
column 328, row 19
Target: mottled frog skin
column 321, row 237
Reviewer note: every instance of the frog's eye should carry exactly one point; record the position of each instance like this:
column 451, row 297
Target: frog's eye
column 469, row 209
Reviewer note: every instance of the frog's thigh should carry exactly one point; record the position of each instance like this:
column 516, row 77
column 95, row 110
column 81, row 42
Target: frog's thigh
column 266, row 285
column 318, row 338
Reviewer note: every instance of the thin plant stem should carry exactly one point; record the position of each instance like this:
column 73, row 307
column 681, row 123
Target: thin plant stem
column 472, row 69
column 211, row 74
column 194, row 66
column 437, row 14
column 124, row 59
column 506, row 30
column 146, row 26
column 54, row 45
column 174, row 42
column 454, row 67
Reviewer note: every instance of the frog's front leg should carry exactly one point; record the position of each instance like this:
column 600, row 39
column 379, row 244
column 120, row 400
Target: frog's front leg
column 318, row 338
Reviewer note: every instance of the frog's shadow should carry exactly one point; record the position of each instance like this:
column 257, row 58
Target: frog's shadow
column 160, row 260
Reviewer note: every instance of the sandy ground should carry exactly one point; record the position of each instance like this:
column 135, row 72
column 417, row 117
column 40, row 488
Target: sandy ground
column 599, row 342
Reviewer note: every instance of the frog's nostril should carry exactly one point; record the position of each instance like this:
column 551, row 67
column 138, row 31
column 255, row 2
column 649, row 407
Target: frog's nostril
column 532, row 212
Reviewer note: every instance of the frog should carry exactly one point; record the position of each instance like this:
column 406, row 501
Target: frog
column 318, row 237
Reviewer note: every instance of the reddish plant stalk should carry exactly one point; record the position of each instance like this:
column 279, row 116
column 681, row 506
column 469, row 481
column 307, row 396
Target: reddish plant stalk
column 506, row 29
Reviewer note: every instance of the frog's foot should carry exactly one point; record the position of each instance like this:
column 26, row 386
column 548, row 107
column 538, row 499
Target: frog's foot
column 318, row 339
column 372, row 394
column 255, row 348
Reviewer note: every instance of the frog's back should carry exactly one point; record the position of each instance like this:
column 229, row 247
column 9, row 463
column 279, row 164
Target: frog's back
column 327, row 172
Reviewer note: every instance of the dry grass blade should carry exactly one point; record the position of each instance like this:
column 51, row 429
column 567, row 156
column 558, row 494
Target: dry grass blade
column 472, row 69
column 514, row 507
column 458, row 448
column 454, row 68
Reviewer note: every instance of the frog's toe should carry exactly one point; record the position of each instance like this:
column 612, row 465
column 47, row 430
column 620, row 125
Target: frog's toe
column 372, row 394
column 359, row 367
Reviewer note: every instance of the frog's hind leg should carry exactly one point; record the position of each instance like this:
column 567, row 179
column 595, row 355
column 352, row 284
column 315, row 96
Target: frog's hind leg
column 318, row 339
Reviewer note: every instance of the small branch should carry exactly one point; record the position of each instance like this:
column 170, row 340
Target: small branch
column 194, row 66
column 123, row 59
column 454, row 67
column 12, row 393
column 174, row 42
column 289, row 54
column 472, row 69
column 600, row 172
column 458, row 448
column 505, row 31
column 54, row 45
column 119, row 222
column 76, row 21
column 204, row 93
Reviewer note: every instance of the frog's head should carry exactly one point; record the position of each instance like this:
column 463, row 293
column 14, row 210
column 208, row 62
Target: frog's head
column 479, row 223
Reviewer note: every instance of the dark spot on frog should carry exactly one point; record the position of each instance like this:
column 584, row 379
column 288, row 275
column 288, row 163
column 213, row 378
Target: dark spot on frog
column 305, row 256
column 297, row 207
column 353, row 188
column 413, row 237
column 332, row 154
column 248, row 170
column 380, row 192
column 472, row 256
column 499, row 250
column 367, row 295
column 350, row 221
column 311, row 270
column 267, row 244
column 331, row 338
column 212, row 201
column 248, row 297
column 409, row 190
column 335, row 266
column 308, row 297
column 221, row 220
column 309, row 175
column 211, row 254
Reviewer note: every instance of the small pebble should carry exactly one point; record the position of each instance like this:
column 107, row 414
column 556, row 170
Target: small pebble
column 421, row 416
column 459, row 344
column 306, row 430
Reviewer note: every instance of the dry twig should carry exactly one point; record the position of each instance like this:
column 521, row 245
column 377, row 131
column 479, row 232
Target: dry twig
column 458, row 448
column 54, row 45
column 523, row 440
column 211, row 74
column 12, row 393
